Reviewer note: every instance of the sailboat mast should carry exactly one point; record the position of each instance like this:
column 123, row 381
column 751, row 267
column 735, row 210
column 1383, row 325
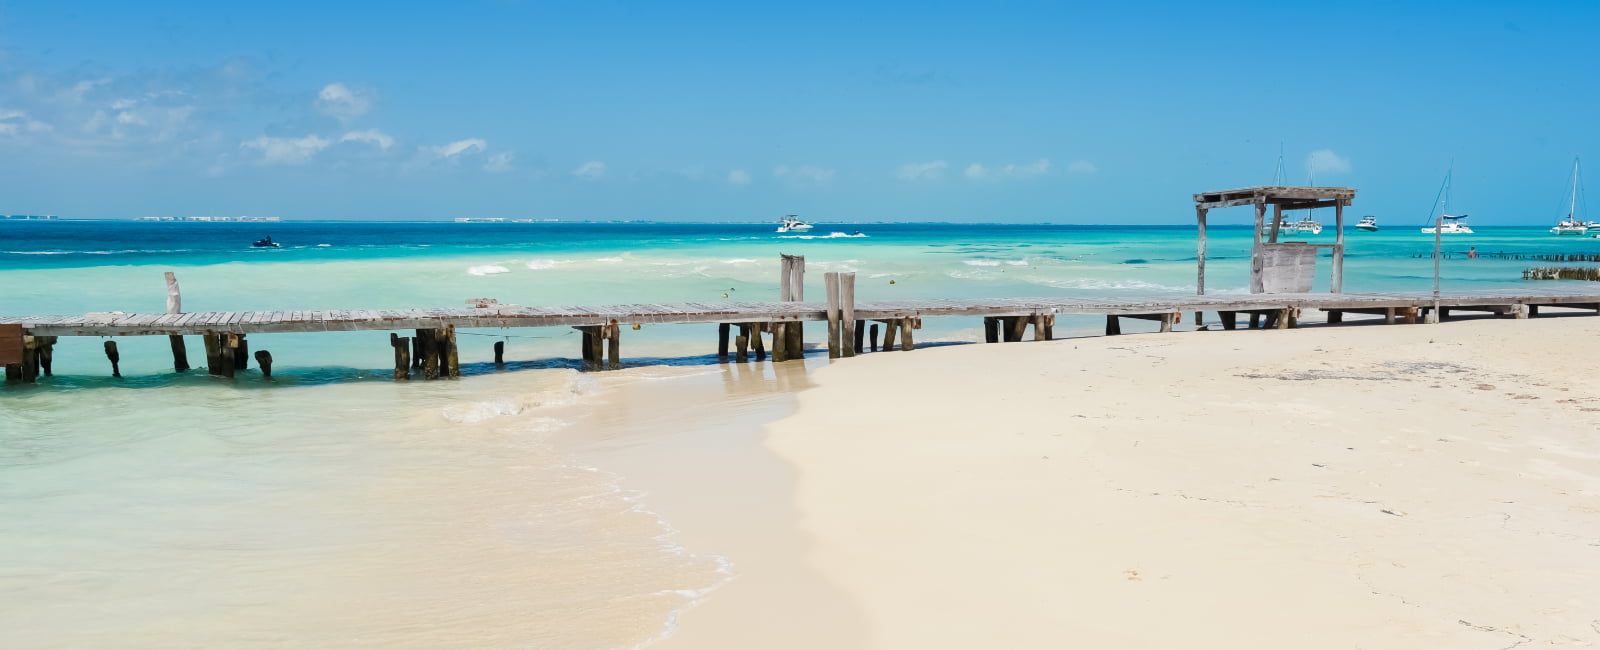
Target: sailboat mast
column 1572, row 209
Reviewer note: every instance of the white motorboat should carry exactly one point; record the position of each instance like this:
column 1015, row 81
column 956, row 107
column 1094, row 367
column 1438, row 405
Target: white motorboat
column 1368, row 223
column 1451, row 226
column 792, row 223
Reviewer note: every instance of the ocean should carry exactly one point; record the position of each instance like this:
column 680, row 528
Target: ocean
column 333, row 506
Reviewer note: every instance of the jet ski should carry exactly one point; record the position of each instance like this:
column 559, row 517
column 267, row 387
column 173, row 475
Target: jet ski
column 265, row 242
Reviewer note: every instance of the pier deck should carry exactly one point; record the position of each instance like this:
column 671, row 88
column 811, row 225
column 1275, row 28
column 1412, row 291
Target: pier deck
column 508, row 316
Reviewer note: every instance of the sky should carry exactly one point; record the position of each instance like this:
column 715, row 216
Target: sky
column 1109, row 113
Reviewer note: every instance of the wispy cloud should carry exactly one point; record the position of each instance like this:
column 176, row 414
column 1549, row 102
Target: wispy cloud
column 287, row 151
column 592, row 171
column 738, row 177
column 1324, row 161
column 339, row 101
column 922, row 171
column 500, row 162
column 15, row 122
column 1082, row 167
column 372, row 137
column 1040, row 167
column 459, row 148
column 804, row 175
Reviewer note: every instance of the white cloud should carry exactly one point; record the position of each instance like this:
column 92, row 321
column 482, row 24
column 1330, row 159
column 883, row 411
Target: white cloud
column 738, row 177
column 592, row 170
column 922, row 171
column 693, row 173
column 340, row 101
column 459, row 148
column 500, row 162
column 373, row 137
column 287, row 151
column 1038, row 167
column 804, row 175
column 1082, row 167
column 1325, row 160
column 13, row 122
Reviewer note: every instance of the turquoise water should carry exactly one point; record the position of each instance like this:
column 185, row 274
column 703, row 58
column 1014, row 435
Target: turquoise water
column 334, row 504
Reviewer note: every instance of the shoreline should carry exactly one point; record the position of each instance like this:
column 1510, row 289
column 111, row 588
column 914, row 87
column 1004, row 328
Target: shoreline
column 1323, row 487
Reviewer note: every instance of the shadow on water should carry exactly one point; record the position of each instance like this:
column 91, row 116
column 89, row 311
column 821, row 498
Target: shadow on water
column 332, row 375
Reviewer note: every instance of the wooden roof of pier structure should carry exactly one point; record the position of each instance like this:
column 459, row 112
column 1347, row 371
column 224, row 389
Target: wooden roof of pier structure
column 1289, row 198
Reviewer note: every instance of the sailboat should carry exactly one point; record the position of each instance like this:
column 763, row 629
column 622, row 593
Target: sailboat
column 1448, row 224
column 1571, row 225
column 1307, row 225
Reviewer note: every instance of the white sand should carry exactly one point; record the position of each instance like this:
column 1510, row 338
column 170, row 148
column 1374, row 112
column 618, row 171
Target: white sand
column 1351, row 487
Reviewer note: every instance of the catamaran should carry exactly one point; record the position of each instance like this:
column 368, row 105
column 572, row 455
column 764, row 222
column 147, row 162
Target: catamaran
column 1572, row 225
column 1451, row 226
column 1306, row 226
column 1368, row 223
column 792, row 223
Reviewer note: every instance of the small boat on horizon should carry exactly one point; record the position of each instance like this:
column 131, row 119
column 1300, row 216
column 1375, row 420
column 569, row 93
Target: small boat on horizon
column 265, row 242
column 1572, row 225
column 1368, row 223
column 792, row 223
column 1451, row 226
column 1306, row 226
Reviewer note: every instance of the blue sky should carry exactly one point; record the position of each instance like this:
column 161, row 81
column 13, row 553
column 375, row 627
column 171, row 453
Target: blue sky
column 999, row 111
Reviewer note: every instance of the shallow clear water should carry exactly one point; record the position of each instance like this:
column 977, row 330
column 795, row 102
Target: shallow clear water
column 334, row 506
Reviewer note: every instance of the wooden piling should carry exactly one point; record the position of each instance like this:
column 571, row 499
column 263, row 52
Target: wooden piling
column 1230, row 320
column 499, row 354
column 830, row 285
column 180, row 355
column 1284, row 318
column 1019, row 327
column 402, row 357
column 227, row 343
column 1113, row 325
column 722, row 342
column 906, row 325
column 792, row 288
column 1335, row 317
column 430, row 353
column 991, row 329
column 30, row 359
column 264, row 362
column 597, row 350
column 47, row 354
column 756, row 330
column 850, row 339
column 860, row 342
column 1166, row 322
column 872, row 343
column 241, row 354
column 780, row 342
column 116, row 359
column 891, row 327
column 451, row 361
column 1255, row 319
column 741, row 352
column 613, row 334
column 213, row 353
column 1038, row 327
column 1050, row 327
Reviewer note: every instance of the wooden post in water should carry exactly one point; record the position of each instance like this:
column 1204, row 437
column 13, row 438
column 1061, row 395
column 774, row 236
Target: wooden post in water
column 227, row 345
column 1338, row 247
column 991, row 329
column 451, row 361
column 722, row 342
column 111, row 353
column 1113, row 325
column 861, row 336
column 847, row 314
column 890, row 328
column 416, row 351
column 873, row 338
column 180, row 355
column 1038, row 327
column 1019, row 327
column 756, row 329
column 830, row 285
column 213, row 353
column 792, row 288
column 241, row 354
column 741, row 344
column 430, row 353
column 264, row 361
column 47, row 353
column 30, row 359
column 906, row 325
column 499, row 354
column 1050, row 327
column 402, row 357
column 613, row 333
column 780, row 342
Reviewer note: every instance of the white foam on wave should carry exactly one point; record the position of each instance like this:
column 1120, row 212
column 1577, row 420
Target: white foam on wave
column 982, row 262
column 488, row 269
column 542, row 265
column 323, row 245
column 570, row 391
column 739, row 260
column 831, row 235
column 608, row 260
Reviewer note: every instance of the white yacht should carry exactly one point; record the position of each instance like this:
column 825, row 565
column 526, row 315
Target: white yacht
column 1306, row 226
column 792, row 223
column 1451, row 226
column 1571, row 225
column 1368, row 223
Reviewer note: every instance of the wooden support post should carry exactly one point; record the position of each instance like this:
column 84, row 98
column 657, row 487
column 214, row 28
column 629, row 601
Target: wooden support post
column 1410, row 315
column 213, row 353
column 722, row 342
column 741, row 343
column 430, row 353
column 873, row 338
column 597, row 350
column 1113, row 325
column 499, row 354
column 1533, row 311
column 47, row 354
column 848, row 338
column 1388, row 315
column 1038, row 327
column 991, row 329
column 1337, row 285
column 30, row 359
column 402, row 357
column 757, row 329
column 1335, row 317
column 891, row 327
column 1050, row 327
column 614, row 346
column 1200, row 255
column 13, row 372
column 416, row 351
column 830, row 285
column 1166, row 322
column 264, row 362
column 780, row 342
column 1277, row 221
column 1444, row 313
column 227, row 344
column 1256, row 262
column 1018, row 326
column 450, row 363
column 860, row 339
column 1230, row 319
column 906, row 325
column 1520, row 313
column 180, row 355
column 792, row 288
column 241, row 354
column 1281, row 318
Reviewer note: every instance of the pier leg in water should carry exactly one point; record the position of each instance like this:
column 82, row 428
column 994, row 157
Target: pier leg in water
column 1113, row 325
column 597, row 351
column 1229, row 319
column 847, row 314
column 402, row 357
column 499, row 354
column 430, row 354
column 906, row 325
column 111, row 353
column 13, row 372
column 756, row 329
column 213, row 353
column 264, row 361
column 780, row 342
column 1019, row 327
column 614, row 347
column 228, row 344
column 1050, row 327
column 452, row 357
column 180, row 354
column 890, row 327
column 873, row 338
column 416, row 350
column 722, row 342
column 241, row 355
column 741, row 352
column 47, row 353
column 1038, row 327
column 30, row 359
column 830, row 282
column 861, row 336
column 991, row 329
column 1255, row 320
column 1166, row 322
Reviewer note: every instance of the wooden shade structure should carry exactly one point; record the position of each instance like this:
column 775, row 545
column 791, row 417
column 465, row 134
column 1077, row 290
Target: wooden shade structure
column 1271, row 262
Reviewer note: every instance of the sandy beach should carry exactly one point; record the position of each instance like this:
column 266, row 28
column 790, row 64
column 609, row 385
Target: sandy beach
column 1346, row 487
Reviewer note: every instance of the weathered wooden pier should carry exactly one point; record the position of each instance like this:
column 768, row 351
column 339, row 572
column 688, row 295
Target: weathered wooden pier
column 1280, row 280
